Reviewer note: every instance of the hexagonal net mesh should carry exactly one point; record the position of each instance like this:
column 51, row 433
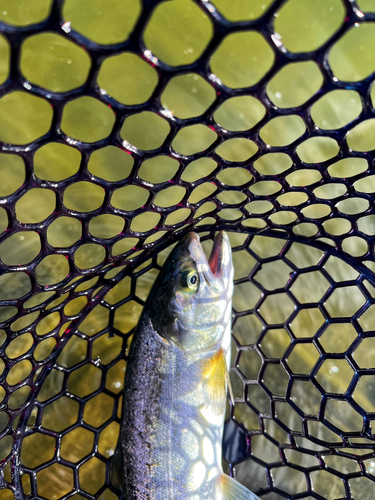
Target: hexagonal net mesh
column 125, row 125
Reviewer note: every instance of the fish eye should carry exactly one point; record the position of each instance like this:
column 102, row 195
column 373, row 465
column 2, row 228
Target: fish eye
column 190, row 280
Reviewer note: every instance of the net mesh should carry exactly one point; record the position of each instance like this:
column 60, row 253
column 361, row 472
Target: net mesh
column 112, row 148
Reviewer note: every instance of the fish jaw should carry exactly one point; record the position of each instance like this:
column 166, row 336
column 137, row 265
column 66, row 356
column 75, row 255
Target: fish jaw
column 218, row 269
column 206, row 317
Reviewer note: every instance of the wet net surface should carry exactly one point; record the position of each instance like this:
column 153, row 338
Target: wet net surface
column 114, row 145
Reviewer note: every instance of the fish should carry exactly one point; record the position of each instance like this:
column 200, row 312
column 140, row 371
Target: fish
column 176, row 381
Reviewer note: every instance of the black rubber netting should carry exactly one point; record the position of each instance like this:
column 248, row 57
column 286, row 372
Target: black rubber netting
column 298, row 209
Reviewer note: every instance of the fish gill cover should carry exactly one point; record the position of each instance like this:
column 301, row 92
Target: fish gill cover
column 126, row 124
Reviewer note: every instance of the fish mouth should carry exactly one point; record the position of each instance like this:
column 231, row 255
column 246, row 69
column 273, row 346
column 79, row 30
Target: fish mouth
column 219, row 263
column 217, row 259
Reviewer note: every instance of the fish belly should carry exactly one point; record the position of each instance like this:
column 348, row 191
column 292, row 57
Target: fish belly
column 170, row 440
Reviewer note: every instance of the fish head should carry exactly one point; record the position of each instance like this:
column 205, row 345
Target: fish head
column 191, row 302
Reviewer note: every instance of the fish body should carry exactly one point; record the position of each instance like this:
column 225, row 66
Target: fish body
column 176, row 381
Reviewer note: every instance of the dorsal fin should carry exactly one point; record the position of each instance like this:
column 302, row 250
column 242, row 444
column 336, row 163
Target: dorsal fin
column 116, row 471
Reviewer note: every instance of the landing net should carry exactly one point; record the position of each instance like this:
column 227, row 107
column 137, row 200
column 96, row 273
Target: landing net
column 124, row 126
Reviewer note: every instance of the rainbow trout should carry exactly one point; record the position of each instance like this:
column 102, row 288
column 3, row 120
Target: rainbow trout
column 176, row 381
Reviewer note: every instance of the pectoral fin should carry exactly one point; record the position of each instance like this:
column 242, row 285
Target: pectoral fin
column 215, row 379
column 229, row 489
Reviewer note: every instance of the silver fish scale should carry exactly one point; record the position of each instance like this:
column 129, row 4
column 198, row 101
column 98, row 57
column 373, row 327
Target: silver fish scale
column 159, row 421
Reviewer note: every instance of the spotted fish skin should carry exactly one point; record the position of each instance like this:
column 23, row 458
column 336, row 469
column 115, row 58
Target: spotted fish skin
column 175, row 386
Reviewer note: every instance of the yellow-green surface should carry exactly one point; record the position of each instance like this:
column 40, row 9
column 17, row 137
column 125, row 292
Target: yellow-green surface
column 177, row 34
